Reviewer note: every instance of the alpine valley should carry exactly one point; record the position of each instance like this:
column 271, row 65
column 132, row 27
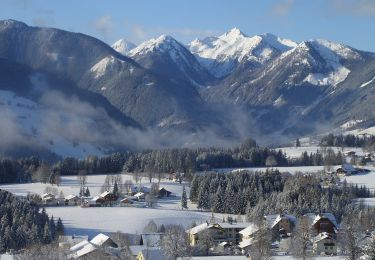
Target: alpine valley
column 69, row 94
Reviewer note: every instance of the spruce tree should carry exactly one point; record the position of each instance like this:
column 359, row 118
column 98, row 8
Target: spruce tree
column 115, row 189
column 298, row 143
column 87, row 192
column 184, row 198
column 59, row 227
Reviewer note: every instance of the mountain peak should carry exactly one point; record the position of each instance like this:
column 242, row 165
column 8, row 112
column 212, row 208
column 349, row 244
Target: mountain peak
column 233, row 34
column 163, row 43
column 9, row 23
column 123, row 46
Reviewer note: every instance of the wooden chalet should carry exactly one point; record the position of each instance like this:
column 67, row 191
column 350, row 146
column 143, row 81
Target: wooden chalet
column 164, row 193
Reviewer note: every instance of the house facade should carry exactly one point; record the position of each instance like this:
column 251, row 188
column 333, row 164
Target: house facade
column 325, row 243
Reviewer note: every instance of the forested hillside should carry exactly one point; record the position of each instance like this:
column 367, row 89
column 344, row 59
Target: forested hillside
column 22, row 224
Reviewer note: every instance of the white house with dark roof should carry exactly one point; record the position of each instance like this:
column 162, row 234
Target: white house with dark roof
column 324, row 243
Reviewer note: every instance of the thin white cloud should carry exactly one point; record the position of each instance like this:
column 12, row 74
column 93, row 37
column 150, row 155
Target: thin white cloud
column 104, row 25
column 354, row 7
column 138, row 33
column 282, row 8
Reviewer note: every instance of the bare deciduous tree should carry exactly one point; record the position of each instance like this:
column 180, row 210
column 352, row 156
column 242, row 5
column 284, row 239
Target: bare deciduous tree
column 300, row 243
column 351, row 234
column 175, row 242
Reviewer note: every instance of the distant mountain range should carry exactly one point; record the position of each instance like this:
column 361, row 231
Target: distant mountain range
column 213, row 91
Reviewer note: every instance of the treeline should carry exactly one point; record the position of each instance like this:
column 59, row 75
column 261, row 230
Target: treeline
column 18, row 170
column 248, row 154
column 260, row 193
column 348, row 141
column 325, row 156
column 22, row 225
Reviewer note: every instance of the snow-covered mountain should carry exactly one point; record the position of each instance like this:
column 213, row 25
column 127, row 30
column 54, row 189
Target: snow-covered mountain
column 123, row 46
column 263, row 84
column 220, row 55
column 166, row 56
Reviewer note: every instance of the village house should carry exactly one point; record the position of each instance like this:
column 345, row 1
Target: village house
column 132, row 190
column 322, row 223
column 86, row 248
column 49, row 199
column 164, row 193
column 248, row 237
column 232, row 229
column 215, row 231
column 71, row 200
column 324, row 243
column 67, row 242
column 126, row 202
column 220, row 232
column 106, row 198
column 346, row 170
column 349, row 153
column 281, row 225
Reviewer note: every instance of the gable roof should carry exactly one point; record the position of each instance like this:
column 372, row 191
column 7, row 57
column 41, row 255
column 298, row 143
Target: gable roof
column 69, row 197
column 273, row 220
column 246, row 243
column 234, row 224
column 80, row 245
column 201, row 227
column 251, row 229
column 100, row 239
column 104, row 194
column 329, row 216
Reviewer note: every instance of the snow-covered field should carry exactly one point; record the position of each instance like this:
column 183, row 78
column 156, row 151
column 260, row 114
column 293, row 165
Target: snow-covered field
column 292, row 170
column 90, row 221
column 295, row 152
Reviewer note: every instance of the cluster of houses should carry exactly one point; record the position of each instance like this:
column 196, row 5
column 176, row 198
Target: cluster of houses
column 142, row 246
column 244, row 236
column 347, row 169
column 136, row 196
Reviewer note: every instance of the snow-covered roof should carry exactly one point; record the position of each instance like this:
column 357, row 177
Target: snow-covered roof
column 70, row 197
column 79, row 246
column 348, row 167
column 104, row 194
column 226, row 225
column 329, row 216
column 251, row 229
column 47, row 195
column 246, row 243
column 100, row 239
column 85, row 250
column 200, row 228
column 139, row 194
column 322, row 236
column 273, row 220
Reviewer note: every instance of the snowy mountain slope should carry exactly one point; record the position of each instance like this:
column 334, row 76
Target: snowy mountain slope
column 123, row 46
column 92, row 65
column 30, row 124
column 220, row 55
column 166, row 56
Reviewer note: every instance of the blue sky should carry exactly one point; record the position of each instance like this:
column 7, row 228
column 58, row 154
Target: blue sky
column 347, row 21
